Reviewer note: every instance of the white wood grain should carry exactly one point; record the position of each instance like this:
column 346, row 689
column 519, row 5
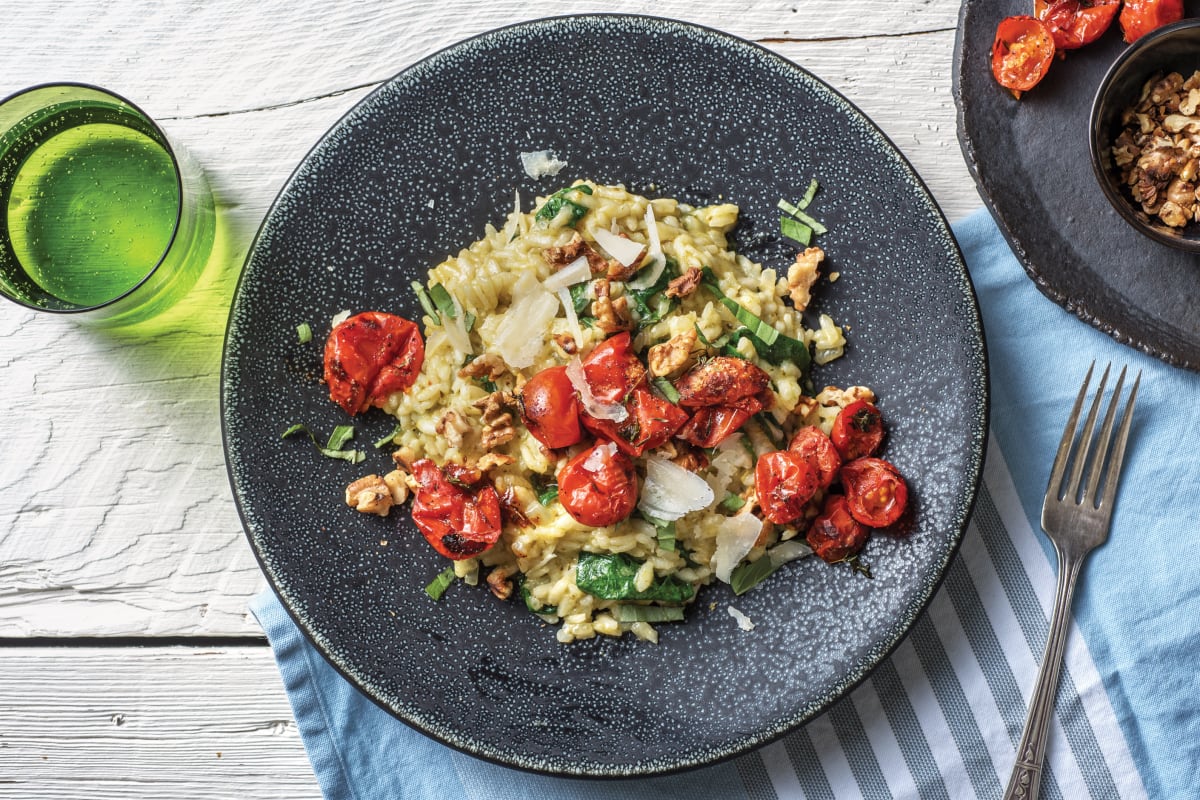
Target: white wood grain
column 142, row 723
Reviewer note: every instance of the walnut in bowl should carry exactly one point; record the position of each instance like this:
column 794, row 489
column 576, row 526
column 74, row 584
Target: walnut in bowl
column 1145, row 135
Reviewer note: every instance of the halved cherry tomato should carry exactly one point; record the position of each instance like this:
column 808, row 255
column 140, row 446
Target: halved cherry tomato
column 1139, row 17
column 835, row 534
column 812, row 443
column 725, row 381
column 650, row 423
column 876, row 494
column 370, row 356
column 550, row 408
column 857, row 431
column 598, row 487
column 1021, row 53
column 612, row 369
column 1074, row 23
column 459, row 519
column 785, row 482
column 711, row 425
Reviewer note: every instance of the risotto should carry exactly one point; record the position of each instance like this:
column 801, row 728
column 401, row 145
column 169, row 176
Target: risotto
column 611, row 411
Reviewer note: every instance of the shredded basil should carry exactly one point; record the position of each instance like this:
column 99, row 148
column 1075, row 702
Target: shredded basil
column 795, row 230
column 665, row 531
column 548, row 495
column 668, row 390
column 527, row 597
column 746, row 576
column 800, row 216
column 440, row 584
column 581, row 296
column 487, row 384
column 442, row 300
column 387, row 439
column 304, row 333
column 768, row 342
column 648, row 613
column 426, row 302
column 341, row 434
column 733, row 502
column 611, row 576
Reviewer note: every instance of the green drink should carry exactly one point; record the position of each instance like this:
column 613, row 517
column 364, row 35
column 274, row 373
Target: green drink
column 99, row 214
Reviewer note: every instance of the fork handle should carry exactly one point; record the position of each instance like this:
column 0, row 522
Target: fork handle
column 1026, row 779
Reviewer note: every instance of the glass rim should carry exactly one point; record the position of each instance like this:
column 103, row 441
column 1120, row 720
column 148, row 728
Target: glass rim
column 175, row 164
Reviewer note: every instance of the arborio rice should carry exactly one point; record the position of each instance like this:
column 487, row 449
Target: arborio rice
column 459, row 409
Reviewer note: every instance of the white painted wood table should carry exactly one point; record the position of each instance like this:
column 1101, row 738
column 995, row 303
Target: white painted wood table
column 129, row 665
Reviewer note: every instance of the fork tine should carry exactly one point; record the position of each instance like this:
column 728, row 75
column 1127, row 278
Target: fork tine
column 1064, row 446
column 1118, row 453
column 1091, row 487
column 1085, row 438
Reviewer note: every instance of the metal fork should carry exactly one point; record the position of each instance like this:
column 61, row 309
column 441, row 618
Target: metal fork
column 1076, row 519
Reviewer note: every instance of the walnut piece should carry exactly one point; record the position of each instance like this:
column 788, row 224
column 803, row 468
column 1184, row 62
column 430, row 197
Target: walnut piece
column 498, row 581
column 453, row 427
column 802, row 274
column 487, row 365
column 559, row 257
column 497, row 419
column 685, row 284
column 370, row 495
column 672, row 355
column 611, row 315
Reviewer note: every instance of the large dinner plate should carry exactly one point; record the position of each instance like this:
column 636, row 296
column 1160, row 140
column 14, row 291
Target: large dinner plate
column 1030, row 160
column 415, row 172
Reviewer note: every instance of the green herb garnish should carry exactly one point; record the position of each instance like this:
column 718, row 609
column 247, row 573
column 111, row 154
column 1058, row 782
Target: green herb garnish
column 768, row 342
column 341, row 434
column 548, row 494
column 648, row 613
column 746, row 576
column 667, row 389
column 442, row 300
column 611, row 576
column 856, row 564
column 385, row 440
column 795, row 230
column 733, row 502
column 527, row 597
column 556, row 202
column 304, row 333
column 426, row 302
column 665, row 531
column 440, row 584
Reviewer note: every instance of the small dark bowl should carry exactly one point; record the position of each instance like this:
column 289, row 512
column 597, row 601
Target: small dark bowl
column 1173, row 48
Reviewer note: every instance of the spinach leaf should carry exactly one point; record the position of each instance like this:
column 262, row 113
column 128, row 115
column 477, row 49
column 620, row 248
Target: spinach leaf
column 611, row 577
column 557, row 201
column 527, row 598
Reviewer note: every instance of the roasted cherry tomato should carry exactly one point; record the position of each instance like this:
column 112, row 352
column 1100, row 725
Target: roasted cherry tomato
column 711, row 425
column 598, row 487
column 550, row 408
column 370, row 356
column 1074, row 23
column 651, row 421
column 876, row 495
column 1139, row 17
column 857, row 431
column 1021, row 53
column 725, row 381
column 835, row 534
column 812, row 443
column 612, row 369
column 785, row 482
column 459, row 519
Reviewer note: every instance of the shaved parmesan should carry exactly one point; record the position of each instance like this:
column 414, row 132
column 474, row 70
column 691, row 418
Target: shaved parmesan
column 744, row 622
column 564, row 297
column 541, row 163
column 456, row 329
column 340, row 317
column 624, row 250
column 522, row 329
column 601, row 453
column 670, row 491
column 735, row 540
column 593, row 407
column 656, row 262
column 577, row 271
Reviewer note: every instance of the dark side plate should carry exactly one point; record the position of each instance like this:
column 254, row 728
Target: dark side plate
column 1030, row 159
column 413, row 173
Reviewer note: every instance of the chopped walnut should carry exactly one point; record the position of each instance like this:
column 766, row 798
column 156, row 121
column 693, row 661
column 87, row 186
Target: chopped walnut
column 370, row 495
column 693, row 459
column 398, row 484
column 619, row 272
column 559, row 257
column 498, row 581
column 497, row 419
column 611, row 315
column 487, row 365
column 802, row 275
column 567, row 342
column 832, row 396
column 685, row 284
column 491, row 460
column 404, row 457
column 672, row 355
column 453, row 427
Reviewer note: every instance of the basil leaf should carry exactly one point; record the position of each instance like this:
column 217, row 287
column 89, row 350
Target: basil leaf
column 426, row 303
column 746, row 576
column 304, row 333
column 795, row 230
column 769, row 343
column 385, row 440
column 438, row 586
column 648, row 613
column 611, row 577
column 668, row 390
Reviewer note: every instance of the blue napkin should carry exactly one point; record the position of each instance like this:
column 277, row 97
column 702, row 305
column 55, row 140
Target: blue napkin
column 941, row 717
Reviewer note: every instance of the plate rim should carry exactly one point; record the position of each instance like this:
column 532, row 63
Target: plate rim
column 976, row 433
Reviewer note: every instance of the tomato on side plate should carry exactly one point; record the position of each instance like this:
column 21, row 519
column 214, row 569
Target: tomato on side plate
column 785, row 482
column 459, row 520
column 598, row 487
column 835, row 534
column 550, row 408
column 1074, row 23
column 857, row 431
column 370, row 356
column 1139, row 17
column 812, row 443
column 612, row 369
column 876, row 494
column 1021, row 53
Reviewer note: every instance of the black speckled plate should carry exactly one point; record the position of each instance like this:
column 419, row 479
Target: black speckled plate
column 413, row 173
column 1030, row 159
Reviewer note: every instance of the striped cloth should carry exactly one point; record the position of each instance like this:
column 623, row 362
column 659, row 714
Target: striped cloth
column 941, row 717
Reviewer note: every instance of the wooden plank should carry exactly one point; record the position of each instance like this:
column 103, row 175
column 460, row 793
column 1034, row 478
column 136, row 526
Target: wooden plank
column 140, row 723
column 115, row 512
